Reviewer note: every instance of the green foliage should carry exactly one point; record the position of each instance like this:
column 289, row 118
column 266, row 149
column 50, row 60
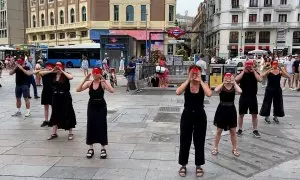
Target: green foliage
column 183, row 53
column 155, row 55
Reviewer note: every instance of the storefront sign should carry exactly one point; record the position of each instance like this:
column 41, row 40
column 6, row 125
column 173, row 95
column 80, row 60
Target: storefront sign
column 176, row 32
column 139, row 34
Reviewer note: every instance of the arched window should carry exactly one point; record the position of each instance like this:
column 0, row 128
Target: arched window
column 129, row 13
column 83, row 13
column 51, row 18
column 72, row 16
column 62, row 17
column 33, row 21
column 42, row 20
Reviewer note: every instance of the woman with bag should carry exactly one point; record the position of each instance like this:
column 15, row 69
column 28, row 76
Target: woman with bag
column 97, row 111
column 193, row 121
column 163, row 72
column 226, row 115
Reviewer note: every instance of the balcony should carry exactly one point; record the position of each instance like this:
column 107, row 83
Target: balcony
column 284, row 8
column 268, row 5
column 236, row 9
column 77, row 25
column 254, row 24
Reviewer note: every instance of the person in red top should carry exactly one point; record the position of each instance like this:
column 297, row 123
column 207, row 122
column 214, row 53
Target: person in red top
column 163, row 77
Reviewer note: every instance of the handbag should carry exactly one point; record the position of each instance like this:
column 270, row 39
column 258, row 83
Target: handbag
column 160, row 69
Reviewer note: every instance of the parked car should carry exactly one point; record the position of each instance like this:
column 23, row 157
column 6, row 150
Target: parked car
column 239, row 61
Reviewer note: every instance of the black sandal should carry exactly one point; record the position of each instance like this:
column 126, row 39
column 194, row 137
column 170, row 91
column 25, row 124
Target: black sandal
column 199, row 172
column 103, row 154
column 182, row 171
column 53, row 136
column 90, row 153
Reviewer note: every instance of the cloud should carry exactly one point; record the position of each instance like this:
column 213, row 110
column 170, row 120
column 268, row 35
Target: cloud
column 188, row 5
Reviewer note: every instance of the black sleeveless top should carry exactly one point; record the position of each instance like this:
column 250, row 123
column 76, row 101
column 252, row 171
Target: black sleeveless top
column 227, row 95
column 193, row 101
column 274, row 81
column 97, row 94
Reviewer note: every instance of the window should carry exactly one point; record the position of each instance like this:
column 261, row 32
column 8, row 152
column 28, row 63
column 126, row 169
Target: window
column 83, row 13
column 264, row 37
column 62, row 17
column 296, row 38
column 267, row 17
column 33, row 2
column 3, row 34
column 299, row 17
column 51, row 18
column 43, row 37
column 52, row 36
column 171, row 13
column 33, row 21
column 84, row 34
column 170, row 49
column 235, row 4
column 234, row 37
column 253, row 3
column 72, row 34
column 50, row 1
column 42, row 1
column 283, row 2
column 235, row 19
column 282, row 18
column 250, row 37
column 267, row 3
column 129, row 13
column 34, row 38
column 116, row 12
column 61, row 35
column 143, row 12
column 42, row 20
column 252, row 17
column 72, row 16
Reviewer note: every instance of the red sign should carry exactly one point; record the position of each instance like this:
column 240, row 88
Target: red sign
column 176, row 32
column 241, row 50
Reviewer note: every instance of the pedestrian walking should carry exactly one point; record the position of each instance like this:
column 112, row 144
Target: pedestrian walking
column 265, row 67
column 23, row 78
column 48, row 77
column 226, row 115
column 37, row 68
column 32, row 79
column 97, row 111
column 296, row 72
column 273, row 93
column 289, row 69
column 122, row 66
column 193, row 121
column 248, row 80
column 85, row 66
column 63, row 115
column 201, row 63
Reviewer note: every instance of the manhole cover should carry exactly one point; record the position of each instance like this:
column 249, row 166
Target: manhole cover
column 169, row 109
column 168, row 117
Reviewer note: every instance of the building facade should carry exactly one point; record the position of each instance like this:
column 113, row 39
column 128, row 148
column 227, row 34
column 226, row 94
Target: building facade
column 67, row 22
column 198, row 25
column 13, row 22
column 235, row 27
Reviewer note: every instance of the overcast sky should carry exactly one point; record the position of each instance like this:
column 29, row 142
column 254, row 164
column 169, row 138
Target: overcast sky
column 190, row 5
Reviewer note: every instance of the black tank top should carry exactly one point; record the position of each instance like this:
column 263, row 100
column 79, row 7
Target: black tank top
column 193, row 101
column 274, row 81
column 227, row 95
column 96, row 94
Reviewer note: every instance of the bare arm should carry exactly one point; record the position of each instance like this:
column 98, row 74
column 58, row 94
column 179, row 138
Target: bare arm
column 237, row 88
column 219, row 88
column 257, row 76
column 68, row 75
column 12, row 71
column 45, row 72
column 239, row 77
column 284, row 73
column 83, row 86
column 182, row 87
column 206, row 89
column 266, row 73
column 107, row 86
column 27, row 72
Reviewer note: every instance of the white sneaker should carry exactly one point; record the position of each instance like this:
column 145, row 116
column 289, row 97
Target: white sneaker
column 283, row 88
column 27, row 114
column 291, row 89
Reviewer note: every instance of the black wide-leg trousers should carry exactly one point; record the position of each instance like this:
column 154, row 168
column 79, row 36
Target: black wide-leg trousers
column 193, row 124
column 275, row 96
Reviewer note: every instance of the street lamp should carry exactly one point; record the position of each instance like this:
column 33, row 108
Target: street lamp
column 242, row 24
column 146, row 47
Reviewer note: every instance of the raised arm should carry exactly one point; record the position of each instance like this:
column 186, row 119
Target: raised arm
column 206, row 89
column 13, row 71
column 45, row 72
column 219, row 88
column 237, row 88
column 284, row 73
column 239, row 77
column 27, row 72
column 68, row 75
column 257, row 76
column 182, row 87
column 107, row 86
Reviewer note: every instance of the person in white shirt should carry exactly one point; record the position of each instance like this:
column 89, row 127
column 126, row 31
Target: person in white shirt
column 289, row 69
column 202, row 64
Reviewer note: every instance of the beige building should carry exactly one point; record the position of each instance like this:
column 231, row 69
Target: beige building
column 66, row 22
column 13, row 21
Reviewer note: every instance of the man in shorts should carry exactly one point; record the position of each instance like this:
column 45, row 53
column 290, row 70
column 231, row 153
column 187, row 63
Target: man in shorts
column 296, row 72
column 248, row 80
column 289, row 69
column 23, row 79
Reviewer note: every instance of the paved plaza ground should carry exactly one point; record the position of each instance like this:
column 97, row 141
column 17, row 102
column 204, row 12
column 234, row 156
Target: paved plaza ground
column 143, row 141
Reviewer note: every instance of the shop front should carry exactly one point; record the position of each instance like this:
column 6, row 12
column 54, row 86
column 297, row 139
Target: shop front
column 233, row 50
column 248, row 48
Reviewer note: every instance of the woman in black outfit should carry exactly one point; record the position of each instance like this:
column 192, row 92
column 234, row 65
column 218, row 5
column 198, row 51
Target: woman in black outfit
column 193, row 120
column 273, row 93
column 63, row 115
column 97, row 111
column 226, row 115
column 46, row 99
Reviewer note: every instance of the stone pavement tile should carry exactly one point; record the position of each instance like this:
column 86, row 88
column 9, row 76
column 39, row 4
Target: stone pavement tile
column 107, row 163
column 10, row 143
column 272, row 178
column 70, row 172
column 35, row 160
column 153, row 155
column 173, row 175
column 23, row 170
column 155, row 147
column 30, row 178
column 5, row 149
column 226, row 177
column 122, row 174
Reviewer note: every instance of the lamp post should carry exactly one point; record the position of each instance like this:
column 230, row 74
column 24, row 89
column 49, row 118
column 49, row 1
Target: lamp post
column 146, row 45
column 242, row 24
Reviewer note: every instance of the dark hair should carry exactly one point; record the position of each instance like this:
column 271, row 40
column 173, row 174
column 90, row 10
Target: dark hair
column 194, row 66
column 201, row 56
column 132, row 58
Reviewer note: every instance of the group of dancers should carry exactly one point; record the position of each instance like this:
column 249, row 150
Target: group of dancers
column 193, row 122
column 56, row 93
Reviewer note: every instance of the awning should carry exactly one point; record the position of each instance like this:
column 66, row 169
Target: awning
column 139, row 35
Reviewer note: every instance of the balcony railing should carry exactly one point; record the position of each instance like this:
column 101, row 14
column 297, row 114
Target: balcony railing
column 284, row 8
column 267, row 5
